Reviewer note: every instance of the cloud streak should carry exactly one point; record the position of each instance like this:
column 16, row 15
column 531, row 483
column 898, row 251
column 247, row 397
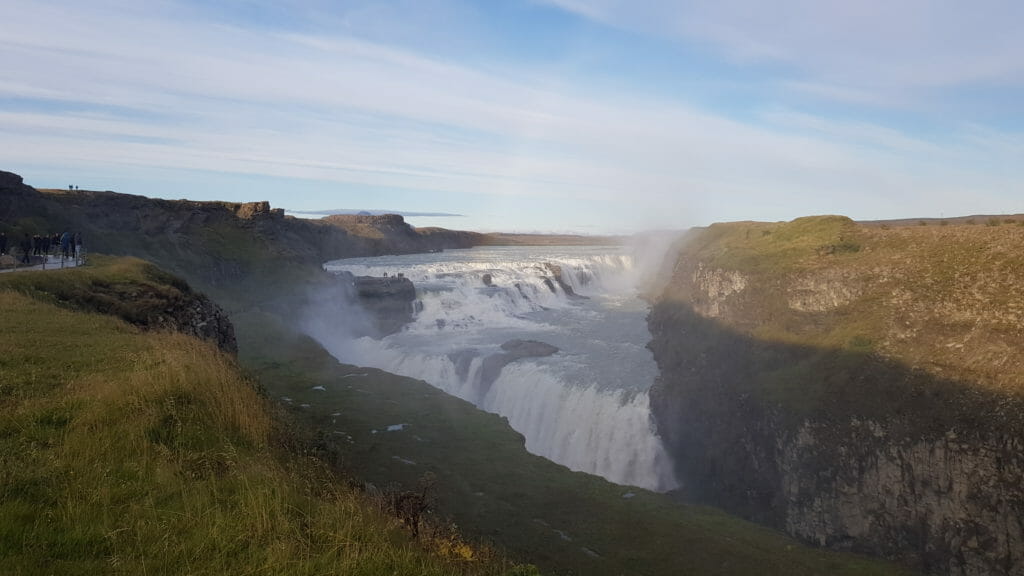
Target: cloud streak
column 116, row 87
column 910, row 44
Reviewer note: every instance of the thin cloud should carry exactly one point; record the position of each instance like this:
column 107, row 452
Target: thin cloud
column 333, row 108
column 871, row 44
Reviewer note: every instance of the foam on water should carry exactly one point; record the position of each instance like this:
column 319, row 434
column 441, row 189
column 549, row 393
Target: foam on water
column 585, row 407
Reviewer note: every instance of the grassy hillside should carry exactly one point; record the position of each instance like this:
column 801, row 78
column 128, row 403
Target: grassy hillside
column 943, row 300
column 132, row 452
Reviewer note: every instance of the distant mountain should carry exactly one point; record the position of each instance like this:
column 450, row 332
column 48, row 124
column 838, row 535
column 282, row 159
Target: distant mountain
column 363, row 212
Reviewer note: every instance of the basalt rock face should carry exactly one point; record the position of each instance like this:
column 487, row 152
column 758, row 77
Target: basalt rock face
column 827, row 392
column 388, row 301
column 511, row 351
column 558, row 278
column 10, row 180
column 197, row 316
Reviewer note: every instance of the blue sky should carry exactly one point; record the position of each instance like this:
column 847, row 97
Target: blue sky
column 525, row 115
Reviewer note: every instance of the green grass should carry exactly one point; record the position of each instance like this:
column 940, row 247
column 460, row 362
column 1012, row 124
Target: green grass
column 129, row 452
column 762, row 246
column 922, row 306
column 489, row 485
column 129, row 288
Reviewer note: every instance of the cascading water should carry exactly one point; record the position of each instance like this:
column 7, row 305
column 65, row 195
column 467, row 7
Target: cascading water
column 586, row 406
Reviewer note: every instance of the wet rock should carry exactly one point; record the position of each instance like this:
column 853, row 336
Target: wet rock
column 511, row 351
column 557, row 275
column 528, row 348
column 388, row 300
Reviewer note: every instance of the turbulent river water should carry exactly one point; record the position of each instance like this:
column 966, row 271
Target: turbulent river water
column 586, row 406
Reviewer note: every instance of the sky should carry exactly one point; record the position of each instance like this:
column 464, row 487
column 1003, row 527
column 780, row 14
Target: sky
column 587, row 116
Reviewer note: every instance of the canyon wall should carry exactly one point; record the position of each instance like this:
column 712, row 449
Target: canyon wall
column 858, row 387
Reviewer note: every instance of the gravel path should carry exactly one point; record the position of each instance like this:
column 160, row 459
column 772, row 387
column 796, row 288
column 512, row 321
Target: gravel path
column 51, row 263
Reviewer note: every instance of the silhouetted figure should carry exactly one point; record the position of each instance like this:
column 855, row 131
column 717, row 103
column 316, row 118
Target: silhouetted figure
column 26, row 249
column 3, row 243
column 78, row 245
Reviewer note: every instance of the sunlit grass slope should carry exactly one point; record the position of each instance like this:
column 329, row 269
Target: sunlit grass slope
column 131, row 452
column 832, row 303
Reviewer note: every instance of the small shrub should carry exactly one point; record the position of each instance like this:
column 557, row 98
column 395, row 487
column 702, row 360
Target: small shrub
column 886, row 227
column 943, row 223
column 971, row 221
column 861, row 343
column 842, row 247
column 993, row 222
column 922, row 223
column 1009, row 221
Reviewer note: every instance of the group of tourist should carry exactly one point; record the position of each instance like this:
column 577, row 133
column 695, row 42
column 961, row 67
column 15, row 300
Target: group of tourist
column 67, row 245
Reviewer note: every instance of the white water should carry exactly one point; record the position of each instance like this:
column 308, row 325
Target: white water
column 585, row 407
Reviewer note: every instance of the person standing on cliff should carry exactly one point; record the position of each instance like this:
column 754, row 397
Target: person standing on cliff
column 65, row 244
column 26, row 249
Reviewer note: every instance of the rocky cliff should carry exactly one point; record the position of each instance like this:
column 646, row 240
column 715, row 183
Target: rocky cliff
column 212, row 244
column 388, row 301
column 391, row 234
column 135, row 291
column 859, row 387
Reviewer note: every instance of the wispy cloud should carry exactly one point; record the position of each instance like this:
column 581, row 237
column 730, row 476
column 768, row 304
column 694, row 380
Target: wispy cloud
column 116, row 86
column 842, row 49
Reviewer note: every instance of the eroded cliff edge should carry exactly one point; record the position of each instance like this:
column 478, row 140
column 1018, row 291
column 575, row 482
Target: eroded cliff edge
column 857, row 386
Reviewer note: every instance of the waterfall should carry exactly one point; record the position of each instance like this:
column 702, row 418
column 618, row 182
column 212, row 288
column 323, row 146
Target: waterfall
column 585, row 407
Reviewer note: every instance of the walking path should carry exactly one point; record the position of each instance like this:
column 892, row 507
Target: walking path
column 51, row 263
